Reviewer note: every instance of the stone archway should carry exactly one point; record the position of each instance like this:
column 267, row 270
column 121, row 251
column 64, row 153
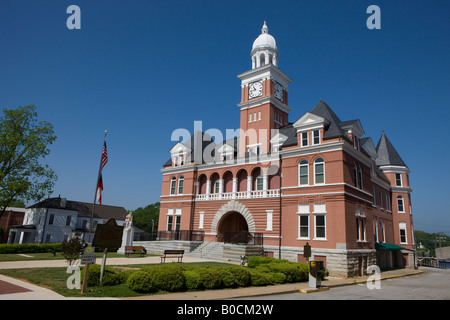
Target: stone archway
column 233, row 206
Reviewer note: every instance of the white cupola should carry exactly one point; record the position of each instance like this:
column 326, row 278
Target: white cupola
column 264, row 50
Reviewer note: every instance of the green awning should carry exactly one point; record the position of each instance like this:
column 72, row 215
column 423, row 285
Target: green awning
column 387, row 246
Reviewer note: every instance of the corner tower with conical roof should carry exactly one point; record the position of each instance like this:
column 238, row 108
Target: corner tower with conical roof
column 264, row 100
column 395, row 169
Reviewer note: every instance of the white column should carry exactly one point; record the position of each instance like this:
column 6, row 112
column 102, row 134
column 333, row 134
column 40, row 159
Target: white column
column 249, row 186
column 235, row 181
column 197, row 188
column 265, row 184
column 266, row 57
column 208, row 188
column 220, row 188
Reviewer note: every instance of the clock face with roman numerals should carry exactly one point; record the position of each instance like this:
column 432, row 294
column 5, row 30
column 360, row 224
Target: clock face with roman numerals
column 255, row 89
column 278, row 91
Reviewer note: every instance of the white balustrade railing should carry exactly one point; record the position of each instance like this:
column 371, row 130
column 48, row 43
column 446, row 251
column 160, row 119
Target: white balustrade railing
column 239, row 195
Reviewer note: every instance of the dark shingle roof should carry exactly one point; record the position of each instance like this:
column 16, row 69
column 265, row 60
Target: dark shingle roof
column 84, row 209
column 387, row 155
column 197, row 144
column 333, row 129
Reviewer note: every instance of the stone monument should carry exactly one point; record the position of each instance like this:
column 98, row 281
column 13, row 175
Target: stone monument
column 128, row 233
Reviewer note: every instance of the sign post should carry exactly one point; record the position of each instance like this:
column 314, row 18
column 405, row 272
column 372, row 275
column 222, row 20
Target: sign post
column 87, row 258
column 315, row 273
column 107, row 236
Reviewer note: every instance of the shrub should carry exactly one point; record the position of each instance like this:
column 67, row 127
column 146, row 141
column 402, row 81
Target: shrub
column 29, row 247
column 141, row 281
column 294, row 272
column 110, row 278
column 235, row 276
column 255, row 261
column 278, row 277
column 123, row 275
column 259, row 278
column 167, row 277
column 210, row 277
column 192, row 279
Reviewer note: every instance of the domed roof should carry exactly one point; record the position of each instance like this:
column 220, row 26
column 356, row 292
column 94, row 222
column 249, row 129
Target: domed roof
column 264, row 40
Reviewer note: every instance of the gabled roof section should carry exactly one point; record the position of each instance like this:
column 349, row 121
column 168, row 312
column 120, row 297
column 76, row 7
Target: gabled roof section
column 333, row 128
column 368, row 146
column 84, row 209
column 354, row 125
column 387, row 155
column 196, row 144
column 308, row 120
column 291, row 133
column 230, row 145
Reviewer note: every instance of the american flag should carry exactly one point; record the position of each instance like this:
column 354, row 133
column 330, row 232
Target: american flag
column 103, row 162
column 99, row 189
column 104, row 156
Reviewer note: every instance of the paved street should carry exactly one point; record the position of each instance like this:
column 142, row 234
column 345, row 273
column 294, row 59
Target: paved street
column 434, row 284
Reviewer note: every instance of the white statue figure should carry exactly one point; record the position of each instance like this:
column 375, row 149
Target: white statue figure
column 128, row 233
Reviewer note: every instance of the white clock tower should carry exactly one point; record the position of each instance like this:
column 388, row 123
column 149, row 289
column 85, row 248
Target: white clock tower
column 264, row 101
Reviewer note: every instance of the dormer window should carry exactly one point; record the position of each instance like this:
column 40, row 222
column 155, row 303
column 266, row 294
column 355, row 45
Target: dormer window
column 304, row 139
column 316, row 137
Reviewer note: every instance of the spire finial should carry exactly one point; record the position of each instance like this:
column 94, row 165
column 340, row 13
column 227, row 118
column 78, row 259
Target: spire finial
column 264, row 28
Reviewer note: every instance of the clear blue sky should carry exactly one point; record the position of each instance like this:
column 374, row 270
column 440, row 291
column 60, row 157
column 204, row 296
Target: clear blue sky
column 141, row 69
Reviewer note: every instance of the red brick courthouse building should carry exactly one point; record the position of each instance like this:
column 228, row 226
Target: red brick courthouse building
column 278, row 184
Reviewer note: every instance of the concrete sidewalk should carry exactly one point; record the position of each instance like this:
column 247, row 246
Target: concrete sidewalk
column 28, row 291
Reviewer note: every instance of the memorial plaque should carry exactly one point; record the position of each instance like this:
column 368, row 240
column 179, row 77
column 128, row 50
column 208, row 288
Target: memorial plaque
column 108, row 235
column 307, row 251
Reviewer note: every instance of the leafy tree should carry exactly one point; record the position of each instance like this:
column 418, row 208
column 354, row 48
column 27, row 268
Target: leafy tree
column 73, row 249
column 23, row 144
column 431, row 241
column 142, row 217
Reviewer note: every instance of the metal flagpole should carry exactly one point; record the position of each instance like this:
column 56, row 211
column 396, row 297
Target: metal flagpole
column 96, row 191
column 90, row 239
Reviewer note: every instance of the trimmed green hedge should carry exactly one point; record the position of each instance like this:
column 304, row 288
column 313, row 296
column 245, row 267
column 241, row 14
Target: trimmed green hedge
column 29, row 247
column 176, row 277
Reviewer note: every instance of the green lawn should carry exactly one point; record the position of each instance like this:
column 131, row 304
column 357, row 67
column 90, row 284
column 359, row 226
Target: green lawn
column 55, row 279
column 50, row 256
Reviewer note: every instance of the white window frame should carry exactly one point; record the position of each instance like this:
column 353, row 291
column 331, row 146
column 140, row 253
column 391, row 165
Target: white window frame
column 302, row 138
column 269, row 220
column 402, row 204
column 402, row 226
column 173, row 185
column 299, row 172
column 201, row 219
column 315, row 176
column 181, row 185
column 303, row 211
column 169, row 218
column 396, row 180
column 314, row 137
column 320, row 210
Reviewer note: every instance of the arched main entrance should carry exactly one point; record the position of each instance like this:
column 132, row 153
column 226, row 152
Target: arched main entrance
column 232, row 222
column 233, row 228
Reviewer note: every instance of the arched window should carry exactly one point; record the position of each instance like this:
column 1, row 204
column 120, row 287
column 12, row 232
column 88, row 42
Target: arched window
column 319, row 171
column 303, row 173
column 173, row 184
column 180, row 185
column 400, row 205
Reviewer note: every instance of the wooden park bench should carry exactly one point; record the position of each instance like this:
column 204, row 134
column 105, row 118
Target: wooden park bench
column 172, row 254
column 135, row 250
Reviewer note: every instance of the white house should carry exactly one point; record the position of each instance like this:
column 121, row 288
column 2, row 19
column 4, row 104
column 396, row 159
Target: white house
column 56, row 220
